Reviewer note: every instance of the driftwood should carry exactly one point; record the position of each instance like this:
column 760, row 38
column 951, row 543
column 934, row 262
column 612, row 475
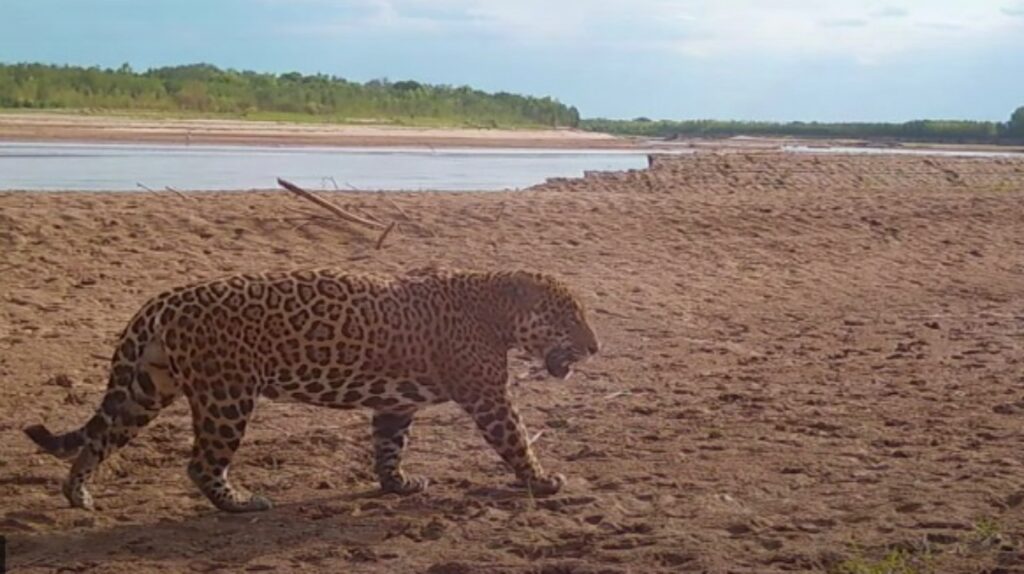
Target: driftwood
column 351, row 218
column 304, row 218
column 406, row 220
column 332, row 180
column 384, row 235
column 397, row 207
column 354, row 188
column 141, row 185
column 405, row 216
column 176, row 192
column 364, row 220
column 359, row 211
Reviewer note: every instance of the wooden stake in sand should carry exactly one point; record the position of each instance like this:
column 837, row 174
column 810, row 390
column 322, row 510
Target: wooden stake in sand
column 335, row 210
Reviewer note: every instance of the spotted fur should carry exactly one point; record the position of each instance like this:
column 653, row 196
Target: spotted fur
column 393, row 345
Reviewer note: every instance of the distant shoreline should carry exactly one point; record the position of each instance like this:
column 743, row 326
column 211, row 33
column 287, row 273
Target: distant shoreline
column 72, row 127
column 66, row 127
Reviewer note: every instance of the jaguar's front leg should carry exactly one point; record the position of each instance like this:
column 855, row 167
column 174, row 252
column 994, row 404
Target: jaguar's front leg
column 390, row 436
column 501, row 425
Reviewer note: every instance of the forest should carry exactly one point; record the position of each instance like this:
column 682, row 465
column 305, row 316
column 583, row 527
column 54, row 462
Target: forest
column 207, row 90
column 917, row 130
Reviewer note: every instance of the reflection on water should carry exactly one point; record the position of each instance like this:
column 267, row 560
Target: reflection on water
column 62, row 166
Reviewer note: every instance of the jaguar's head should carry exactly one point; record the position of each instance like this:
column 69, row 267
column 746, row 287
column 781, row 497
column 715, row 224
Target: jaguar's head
column 548, row 321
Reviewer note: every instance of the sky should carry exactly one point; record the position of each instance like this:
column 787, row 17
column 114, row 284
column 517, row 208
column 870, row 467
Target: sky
column 772, row 60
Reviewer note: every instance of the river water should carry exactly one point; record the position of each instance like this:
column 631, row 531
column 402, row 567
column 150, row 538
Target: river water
column 123, row 167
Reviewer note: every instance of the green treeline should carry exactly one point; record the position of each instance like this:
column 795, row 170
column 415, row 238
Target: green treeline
column 923, row 130
column 206, row 89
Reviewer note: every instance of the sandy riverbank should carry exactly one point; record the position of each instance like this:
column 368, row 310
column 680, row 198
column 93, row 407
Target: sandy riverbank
column 806, row 360
column 115, row 129
column 34, row 126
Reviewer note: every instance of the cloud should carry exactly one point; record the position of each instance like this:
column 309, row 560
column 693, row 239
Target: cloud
column 855, row 31
column 1015, row 11
column 370, row 17
column 890, row 12
column 945, row 26
column 861, row 31
column 844, row 23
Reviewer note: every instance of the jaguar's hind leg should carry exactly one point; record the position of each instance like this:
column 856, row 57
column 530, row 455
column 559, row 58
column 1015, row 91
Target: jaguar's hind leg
column 133, row 399
column 220, row 414
column 390, row 437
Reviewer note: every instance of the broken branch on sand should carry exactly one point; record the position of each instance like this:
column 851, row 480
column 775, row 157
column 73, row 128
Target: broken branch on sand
column 352, row 218
column 176, row 192
column 384, row 235
column 141, row 185
column 367, row 221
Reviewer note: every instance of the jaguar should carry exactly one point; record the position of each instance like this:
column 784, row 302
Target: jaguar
column 325, row 337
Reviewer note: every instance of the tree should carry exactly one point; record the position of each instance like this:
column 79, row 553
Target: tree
column 1016, row 126
column 406, row 86
column 206, row 88
column 193, row 96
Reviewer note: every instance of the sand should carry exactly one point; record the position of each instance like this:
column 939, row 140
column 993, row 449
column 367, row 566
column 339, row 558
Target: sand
column 807, row 362
column 43, row 126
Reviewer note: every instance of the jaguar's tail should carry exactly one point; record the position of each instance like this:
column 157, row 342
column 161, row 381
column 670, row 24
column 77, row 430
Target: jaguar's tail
column 66, row 445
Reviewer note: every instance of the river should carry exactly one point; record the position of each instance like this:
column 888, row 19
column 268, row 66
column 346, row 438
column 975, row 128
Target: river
column 124, row 167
